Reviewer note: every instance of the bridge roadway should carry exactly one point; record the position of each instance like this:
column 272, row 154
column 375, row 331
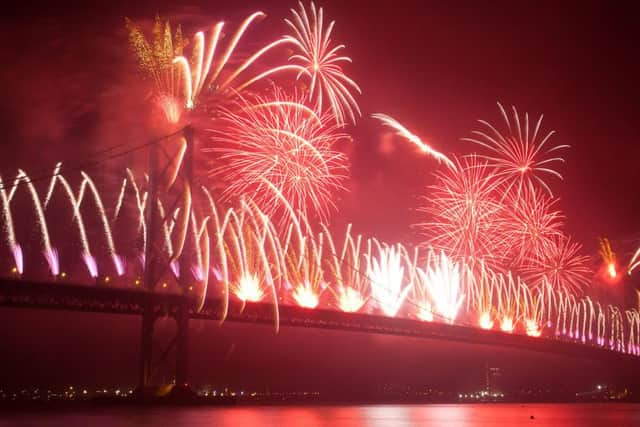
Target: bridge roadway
column 131, row 301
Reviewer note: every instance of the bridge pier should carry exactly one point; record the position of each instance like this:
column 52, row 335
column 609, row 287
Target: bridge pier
column 182, row 348
column 146, row 347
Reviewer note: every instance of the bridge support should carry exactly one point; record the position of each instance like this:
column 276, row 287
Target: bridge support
column 146, row 348
column 182, row 349
column 155, row 269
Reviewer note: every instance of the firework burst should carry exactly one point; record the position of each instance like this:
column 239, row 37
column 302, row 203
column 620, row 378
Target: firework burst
column 520, row 156
column 155, row 60
column 530, row 223
column 465, row 217
column 561, row 264
column 320, row 60
column 278, row 142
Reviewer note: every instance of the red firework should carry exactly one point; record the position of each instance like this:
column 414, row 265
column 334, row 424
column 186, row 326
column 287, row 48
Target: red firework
column 519, row 156
column 530, row 223
column 321, row 61
column 465, row 216
column 561, row 264
column 278, row 152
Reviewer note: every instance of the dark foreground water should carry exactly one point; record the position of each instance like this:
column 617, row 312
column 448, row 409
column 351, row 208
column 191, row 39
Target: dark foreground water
column 582, row 415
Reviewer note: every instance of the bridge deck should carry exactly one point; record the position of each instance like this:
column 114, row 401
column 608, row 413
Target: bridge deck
column 105, row 299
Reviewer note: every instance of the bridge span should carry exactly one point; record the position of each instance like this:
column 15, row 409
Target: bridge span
column 134, row 301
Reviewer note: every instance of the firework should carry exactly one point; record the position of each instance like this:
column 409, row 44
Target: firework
column 50, row 254
column 635, row 261
column 442, row 279
column 508, row 307
column 465, row 217
column 530, row 224
column 155, row 60
column 414, row 139
column 105, row 223
column 253, row 258
column 561, row 264
column 350, row 284
column 321, row 61
column 210, row 69
column 278, row 142
column 386, row 277
column 520, row 157
column 16, row 250
column 482, row 283
column 609, row 268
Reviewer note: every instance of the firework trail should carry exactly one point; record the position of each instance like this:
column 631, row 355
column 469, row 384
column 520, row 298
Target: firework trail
column 321, row 61
column 278, row 140
column 50, row 254
column 117, row 260
column 350, row 286
column 635, row 261
column 482, row 284
column 414, row 139
column 533, row 311
column 508, row 308
column 16, row 250
column 518, row 155
column 87, row 257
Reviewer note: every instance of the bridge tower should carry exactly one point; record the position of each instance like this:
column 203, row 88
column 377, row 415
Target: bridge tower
column 170, row 175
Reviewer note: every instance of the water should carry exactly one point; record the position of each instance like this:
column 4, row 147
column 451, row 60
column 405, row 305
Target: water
column 582, row 415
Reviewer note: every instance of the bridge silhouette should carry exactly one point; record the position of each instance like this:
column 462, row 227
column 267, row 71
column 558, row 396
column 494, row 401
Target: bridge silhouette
column 165, row 259
column 17, row 293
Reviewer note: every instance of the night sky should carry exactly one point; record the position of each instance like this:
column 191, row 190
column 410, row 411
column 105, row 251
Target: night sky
column 71, row 86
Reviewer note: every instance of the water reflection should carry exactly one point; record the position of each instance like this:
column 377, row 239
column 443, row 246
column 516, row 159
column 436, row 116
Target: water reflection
column 545, row 415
